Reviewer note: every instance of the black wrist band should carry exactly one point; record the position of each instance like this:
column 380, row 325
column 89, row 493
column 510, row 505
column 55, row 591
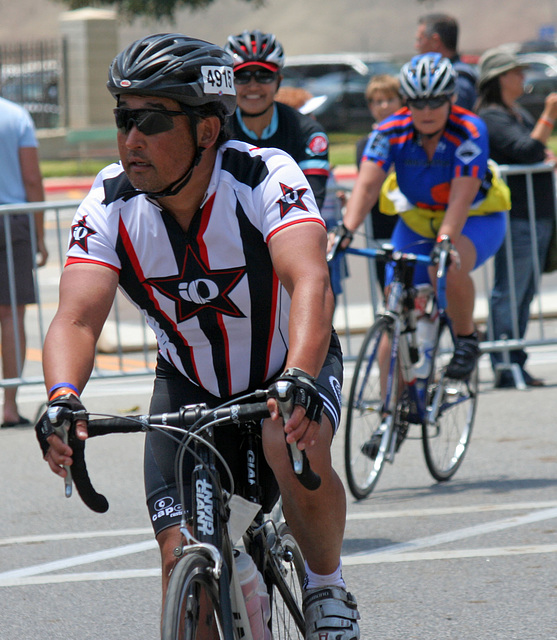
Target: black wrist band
column 346, row 232
column 297, row 373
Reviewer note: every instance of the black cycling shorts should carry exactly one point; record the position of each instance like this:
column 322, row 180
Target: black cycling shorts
column 171, row 391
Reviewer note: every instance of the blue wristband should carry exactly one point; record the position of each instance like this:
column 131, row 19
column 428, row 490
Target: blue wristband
column 63, row 384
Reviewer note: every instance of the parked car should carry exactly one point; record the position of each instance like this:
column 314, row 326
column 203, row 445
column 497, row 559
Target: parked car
column 341, row 79
column 33, row 85
column 540, row 63
column 540, row 79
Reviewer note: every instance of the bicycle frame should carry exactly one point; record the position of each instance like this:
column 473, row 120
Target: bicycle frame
column 210, row 534
column 400, row 309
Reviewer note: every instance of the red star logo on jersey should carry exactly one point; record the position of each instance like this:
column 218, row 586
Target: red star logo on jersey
column 80, row 233
column 291, row 199
column 198, row 288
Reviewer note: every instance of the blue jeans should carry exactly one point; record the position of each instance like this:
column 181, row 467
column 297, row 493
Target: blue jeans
column 524, row 279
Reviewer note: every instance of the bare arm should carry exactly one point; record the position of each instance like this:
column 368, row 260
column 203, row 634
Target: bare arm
column 298, row 255
column 86, row 295
column 34, row 192
column 544, row 126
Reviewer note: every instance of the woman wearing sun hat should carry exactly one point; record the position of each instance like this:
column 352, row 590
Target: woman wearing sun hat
column 515, row 137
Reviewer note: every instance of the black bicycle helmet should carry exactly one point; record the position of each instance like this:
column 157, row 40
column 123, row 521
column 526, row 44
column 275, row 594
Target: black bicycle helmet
column 427, row 76
column 171, row 65
column 255, row 47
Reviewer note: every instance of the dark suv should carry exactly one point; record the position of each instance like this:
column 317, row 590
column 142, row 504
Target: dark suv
column 341, row 78
column 33, row 85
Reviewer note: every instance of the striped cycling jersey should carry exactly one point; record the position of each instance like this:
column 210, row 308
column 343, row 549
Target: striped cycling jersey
column 210, row 294
column 463, row 150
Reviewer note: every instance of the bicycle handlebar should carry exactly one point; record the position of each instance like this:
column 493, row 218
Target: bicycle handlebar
column 185, row 418
column 387, row 253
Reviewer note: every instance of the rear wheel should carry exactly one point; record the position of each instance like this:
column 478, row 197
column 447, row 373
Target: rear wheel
column 369, row 424
column 447, row 431
column 192, row 608
column 285, row 573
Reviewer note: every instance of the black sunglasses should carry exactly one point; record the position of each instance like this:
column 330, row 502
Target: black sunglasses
column 261, row 76
column 422, row 103
column 148, row 121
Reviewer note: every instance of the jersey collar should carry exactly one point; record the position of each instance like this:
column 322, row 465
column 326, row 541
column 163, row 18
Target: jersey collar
column 269, row 130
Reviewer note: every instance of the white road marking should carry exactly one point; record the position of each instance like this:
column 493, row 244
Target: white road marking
column 448, row 554
column 82, row 535
column 347, row 561
column 403, row 513
column 461, row 534
column 444, row 511
column 403, row 552
column 65, row 563
column 82, row 577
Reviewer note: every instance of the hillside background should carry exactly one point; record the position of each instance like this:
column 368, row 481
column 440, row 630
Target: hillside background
column 314, row 26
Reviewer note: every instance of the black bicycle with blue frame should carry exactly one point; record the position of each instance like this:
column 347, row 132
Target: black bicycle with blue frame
column 384, row 401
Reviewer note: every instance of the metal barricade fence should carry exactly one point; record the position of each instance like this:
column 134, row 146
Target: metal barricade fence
column 361, row 297
column 126, row 346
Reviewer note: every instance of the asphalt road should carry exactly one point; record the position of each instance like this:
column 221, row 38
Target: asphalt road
column 475, row 558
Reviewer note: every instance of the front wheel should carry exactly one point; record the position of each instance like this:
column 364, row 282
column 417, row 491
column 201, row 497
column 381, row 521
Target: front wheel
column 192, row 608
column 285, row 573
column 451, row 409
column 369, row 423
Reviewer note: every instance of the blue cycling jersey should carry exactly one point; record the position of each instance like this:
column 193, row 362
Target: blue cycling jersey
column 463, row 150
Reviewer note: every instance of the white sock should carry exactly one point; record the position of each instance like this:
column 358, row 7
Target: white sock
column 316, row 581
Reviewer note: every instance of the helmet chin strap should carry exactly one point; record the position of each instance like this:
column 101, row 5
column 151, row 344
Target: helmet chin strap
column 175, row 187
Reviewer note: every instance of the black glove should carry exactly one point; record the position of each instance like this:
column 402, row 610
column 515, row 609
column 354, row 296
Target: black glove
column 299, row 387
column 60, row 410
column 341, row 234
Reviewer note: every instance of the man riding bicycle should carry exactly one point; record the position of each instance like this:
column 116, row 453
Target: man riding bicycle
column 442, row 189
column 222, row 248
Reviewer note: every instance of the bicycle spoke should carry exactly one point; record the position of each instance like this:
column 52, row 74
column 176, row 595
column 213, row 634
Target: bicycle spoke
column 447, row 430
column 368, row 431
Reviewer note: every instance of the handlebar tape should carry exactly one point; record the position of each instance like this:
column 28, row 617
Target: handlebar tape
column 95, row 501
column 307, row 476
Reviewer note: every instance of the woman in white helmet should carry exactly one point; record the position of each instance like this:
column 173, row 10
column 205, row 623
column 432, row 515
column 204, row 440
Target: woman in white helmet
column 442, row 189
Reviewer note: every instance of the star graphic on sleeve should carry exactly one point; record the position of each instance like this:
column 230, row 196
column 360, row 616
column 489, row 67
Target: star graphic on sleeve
column 291, row 199
column 80, row 233
column 199, row 288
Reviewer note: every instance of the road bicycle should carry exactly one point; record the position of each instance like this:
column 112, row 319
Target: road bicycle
column 204, row 597
column 383, row 403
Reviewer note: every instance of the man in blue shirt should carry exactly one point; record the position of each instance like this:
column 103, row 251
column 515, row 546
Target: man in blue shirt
column 20, row 181
column 438, row 33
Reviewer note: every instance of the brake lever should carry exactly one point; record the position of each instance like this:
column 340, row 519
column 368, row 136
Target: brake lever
column 442, row 264
column 300, row 463
column 61, row 428
column 334, row 248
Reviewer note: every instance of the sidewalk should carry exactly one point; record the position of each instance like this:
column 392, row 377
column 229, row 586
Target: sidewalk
column 78, row 186
column 72, row 188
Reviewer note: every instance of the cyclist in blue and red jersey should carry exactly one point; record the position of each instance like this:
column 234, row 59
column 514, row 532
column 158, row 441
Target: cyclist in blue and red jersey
column 262, row 121
column 442, row 188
